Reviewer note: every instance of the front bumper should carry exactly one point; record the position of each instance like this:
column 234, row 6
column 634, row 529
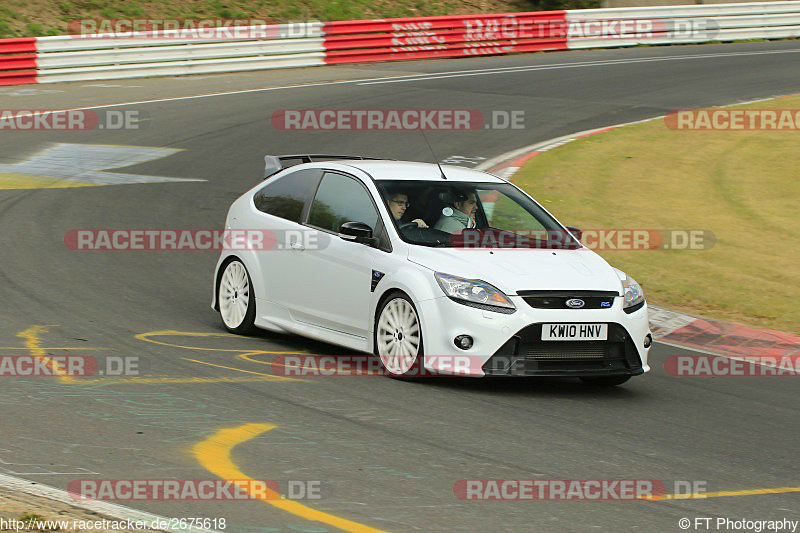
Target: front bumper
column 525, row 354
column 511, row 345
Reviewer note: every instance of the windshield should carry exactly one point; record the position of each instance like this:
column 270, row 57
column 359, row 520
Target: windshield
column 470, row 215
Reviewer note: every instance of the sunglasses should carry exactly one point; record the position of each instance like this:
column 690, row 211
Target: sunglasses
column 401, row 202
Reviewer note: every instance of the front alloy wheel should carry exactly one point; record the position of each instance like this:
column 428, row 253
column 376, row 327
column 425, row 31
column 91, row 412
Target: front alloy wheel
column 398, row 337
column 237, row 301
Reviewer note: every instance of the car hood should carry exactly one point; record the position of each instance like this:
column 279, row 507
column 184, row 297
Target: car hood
column 516, row 269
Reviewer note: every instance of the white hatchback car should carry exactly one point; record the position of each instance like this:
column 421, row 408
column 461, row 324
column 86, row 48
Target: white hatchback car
column 413, row 262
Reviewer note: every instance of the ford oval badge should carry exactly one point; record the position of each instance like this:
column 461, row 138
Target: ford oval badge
column 575, row 303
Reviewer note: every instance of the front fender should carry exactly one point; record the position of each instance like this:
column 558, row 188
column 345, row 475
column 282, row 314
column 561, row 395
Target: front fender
column 415, row 281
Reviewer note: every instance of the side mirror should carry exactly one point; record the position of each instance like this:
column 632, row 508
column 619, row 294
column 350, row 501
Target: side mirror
column 357, row 232
column 576, row 232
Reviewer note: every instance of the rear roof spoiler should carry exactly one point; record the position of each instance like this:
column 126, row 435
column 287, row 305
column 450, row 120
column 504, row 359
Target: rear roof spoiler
column 275, row 163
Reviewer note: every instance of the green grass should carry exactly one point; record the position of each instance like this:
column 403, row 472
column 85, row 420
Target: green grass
column 741, row 185
column 45, row 17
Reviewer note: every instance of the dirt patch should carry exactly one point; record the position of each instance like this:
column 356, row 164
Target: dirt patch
column 37, row 511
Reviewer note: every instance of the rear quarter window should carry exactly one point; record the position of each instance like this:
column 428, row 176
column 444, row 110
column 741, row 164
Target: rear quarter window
column 287, row 195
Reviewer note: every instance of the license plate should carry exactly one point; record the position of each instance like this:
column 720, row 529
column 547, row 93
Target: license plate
column 574, row 332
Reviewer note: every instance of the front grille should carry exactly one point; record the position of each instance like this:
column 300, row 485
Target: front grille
column 561, row 353
column 559, row 299
column 525, row 354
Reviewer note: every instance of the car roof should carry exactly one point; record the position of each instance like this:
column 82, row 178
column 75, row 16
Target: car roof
column 409, row 170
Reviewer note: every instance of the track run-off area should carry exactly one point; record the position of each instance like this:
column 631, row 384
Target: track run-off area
column 385, row 453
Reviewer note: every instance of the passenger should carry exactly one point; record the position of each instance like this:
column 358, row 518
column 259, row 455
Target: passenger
column 398, row 203
column 462, row 215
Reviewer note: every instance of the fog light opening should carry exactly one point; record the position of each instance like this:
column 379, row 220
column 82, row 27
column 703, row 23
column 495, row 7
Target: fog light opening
column 464, row 342
column 648, row 340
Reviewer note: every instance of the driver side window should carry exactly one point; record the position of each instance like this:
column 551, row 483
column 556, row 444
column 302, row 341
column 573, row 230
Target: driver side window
column 341, row 199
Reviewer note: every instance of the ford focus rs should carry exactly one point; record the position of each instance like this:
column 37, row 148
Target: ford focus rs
column 415, row 261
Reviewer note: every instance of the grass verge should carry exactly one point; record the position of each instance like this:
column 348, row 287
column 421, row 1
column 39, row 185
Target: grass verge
column 741, row 185
column 20, row 18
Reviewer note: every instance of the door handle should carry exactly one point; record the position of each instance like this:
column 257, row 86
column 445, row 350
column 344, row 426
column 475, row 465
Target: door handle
column 297, row 246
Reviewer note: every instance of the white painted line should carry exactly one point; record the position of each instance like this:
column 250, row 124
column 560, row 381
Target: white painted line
column 111, row 85
column 120, row 512
column 508, row 70
column 88, row 164
column 417, row 77
column 560, row 141
column 549, row 145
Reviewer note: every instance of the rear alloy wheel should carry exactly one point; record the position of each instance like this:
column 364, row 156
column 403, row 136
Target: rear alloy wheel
column 605, row 381
column 398, row 337
column 237, row 300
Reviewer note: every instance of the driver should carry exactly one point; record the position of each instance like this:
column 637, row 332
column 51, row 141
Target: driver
column 398, row 203
column 462, row 215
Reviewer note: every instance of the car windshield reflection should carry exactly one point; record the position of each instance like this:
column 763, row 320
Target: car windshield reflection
column 471, row 215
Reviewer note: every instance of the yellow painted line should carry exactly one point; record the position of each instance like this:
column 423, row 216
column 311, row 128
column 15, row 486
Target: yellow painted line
column 214, row 454
column 54, row 348
column 270, row 376
column 27, row 181
column 32, row 338
column 724, row 493
column 147, row 337
column 247, row 357
column 34, row 347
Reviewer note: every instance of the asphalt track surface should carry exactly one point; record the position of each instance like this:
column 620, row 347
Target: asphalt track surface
column 387, row 453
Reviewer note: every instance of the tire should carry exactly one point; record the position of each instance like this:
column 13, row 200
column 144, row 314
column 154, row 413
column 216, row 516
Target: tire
column 605, row 381
column 398, row 337
column 237, row 299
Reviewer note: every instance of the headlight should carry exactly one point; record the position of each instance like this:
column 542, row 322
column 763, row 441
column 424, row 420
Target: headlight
column 632, row 292
column 474, row 292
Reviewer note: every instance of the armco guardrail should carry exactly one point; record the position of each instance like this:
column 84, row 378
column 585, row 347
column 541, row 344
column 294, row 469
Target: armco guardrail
column 18, row 61
column 431, row 37
column 106, row 56
column 592, row 28
column 98, row 57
